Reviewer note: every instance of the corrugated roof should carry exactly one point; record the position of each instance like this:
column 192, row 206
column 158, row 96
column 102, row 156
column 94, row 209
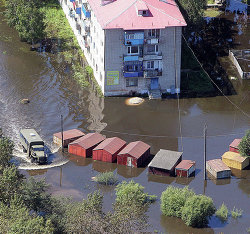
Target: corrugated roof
column 235, row 143
column 218, row 165
column 165, row 159
column 89, row 140
column 123, row 14
column 234, row 156
column 136, row 149
column 185, row 164
column 72, row 133
column 111, row 145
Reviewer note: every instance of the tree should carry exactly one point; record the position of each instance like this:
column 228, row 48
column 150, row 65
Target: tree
column 197, row 210
column 6, row 149
column 16, row 218
column 193, row 10
column 244, row 146
column 173, row 200
column 10, row 183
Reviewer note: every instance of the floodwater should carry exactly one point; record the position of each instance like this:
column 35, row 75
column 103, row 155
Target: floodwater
column 52, row 92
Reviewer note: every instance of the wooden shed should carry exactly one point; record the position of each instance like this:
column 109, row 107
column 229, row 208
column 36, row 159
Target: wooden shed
column 68, row 137
column 164, row 162
column 233, row 147
column 218, row 169
column 135, row 154
column 185, row 168
column 84, row 145
column 235, row 160
column 107, row 151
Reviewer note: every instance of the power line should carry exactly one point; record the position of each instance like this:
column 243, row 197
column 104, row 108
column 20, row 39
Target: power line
column 166, row 136
column 214, row 82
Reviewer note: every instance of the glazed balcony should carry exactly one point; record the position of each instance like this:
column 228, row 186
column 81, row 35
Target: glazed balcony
column 86, row 11
column 133, row 74
column 132, row 38
column 152, row 73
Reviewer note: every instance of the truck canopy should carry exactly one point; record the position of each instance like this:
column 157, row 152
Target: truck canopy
column 31, row 136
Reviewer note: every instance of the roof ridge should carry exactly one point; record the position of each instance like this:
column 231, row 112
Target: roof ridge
column 120, row 13
column 165, row 12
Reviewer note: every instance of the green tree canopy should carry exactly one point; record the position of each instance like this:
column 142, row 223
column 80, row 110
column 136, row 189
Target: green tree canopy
column 244, row 146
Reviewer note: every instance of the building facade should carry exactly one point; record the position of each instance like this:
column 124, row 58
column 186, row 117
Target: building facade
column 133, row 46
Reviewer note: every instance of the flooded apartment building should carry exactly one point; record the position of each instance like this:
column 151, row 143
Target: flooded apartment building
column 133, row 46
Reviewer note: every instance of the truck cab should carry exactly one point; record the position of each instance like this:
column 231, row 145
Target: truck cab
column 33, row 145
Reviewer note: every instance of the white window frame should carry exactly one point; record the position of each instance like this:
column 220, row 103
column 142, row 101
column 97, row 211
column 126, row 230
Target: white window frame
column 129, row 50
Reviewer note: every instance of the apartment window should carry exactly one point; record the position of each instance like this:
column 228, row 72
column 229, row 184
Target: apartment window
column 94, row 29
column 102, row 43
column 96, row 67
column 154, row 33
column 150, row 64
column 131, row 82
column 152, row 48
column 94, row 45
column 133, row 49
column 100, row 76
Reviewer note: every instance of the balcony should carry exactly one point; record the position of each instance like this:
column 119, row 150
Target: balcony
column 152, row 73
column 152, row 41
column 133, row 74
column 130, row 58
column 132, row 38
column 153, row 56
column 86, row 10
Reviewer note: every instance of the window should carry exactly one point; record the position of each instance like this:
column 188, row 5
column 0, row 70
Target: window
column 100, row 76
column 152, row 48
column 133, row 49
column 131, row 82
column 96, row 67
column 150, row 64
column 154, row 33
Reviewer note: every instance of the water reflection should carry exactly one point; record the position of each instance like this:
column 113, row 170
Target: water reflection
column 103, row 166
column 129, row 172
column 37, row 172
column 161, row 179
column 184, row 180
column 177, row 226
column 79, row 161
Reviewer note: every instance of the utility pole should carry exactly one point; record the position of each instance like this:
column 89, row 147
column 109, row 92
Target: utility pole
column 205, row 151
column 62, row 132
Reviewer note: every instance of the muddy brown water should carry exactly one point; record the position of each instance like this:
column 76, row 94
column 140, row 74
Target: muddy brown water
column 52, row 92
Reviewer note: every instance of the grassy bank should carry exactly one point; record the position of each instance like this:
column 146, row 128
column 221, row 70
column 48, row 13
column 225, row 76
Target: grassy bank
column 57, row 26
column 194, row 81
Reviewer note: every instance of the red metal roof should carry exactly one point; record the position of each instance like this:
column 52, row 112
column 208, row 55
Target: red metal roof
column 124, row 14
column 185, row 164
column 69, row 134
column 135, row 149
column 235, row 143
column 111, row 145
column 89, row 140
column 218, row 165
column 141, row 6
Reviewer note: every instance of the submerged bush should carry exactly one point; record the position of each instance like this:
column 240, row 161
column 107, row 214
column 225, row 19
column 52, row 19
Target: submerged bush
column 236, row 213
column 197, row 211
column 222, row 213
column 107, row 178
column 132, row 193
column 173, row 200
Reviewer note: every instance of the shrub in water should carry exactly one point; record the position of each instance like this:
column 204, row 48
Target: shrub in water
column 107, row 178
column 222, row 213
column 131, row 192
column 236, row 213
column 197, row 210
column 173, row 200
column 244, row 146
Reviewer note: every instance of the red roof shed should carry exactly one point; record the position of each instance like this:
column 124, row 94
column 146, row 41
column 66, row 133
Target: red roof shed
column 185, row 168
column 107, row 151
column 68, row 137
column 84, row 145
column 233, row 147
column 134, row 154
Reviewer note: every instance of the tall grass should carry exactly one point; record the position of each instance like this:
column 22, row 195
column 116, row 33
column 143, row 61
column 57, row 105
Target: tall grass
column 236, row 213
column 222, row 213
column 106, row 178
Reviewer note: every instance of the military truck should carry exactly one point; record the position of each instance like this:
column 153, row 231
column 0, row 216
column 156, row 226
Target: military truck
column 33, row 145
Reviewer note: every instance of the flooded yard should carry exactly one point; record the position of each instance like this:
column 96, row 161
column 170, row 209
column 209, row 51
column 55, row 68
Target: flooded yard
column 41, row 78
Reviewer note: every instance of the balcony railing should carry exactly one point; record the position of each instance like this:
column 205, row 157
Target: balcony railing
column 153, row 56
column 86, row 10
column 152, row 41
column 152, row 73
column 133, row 74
